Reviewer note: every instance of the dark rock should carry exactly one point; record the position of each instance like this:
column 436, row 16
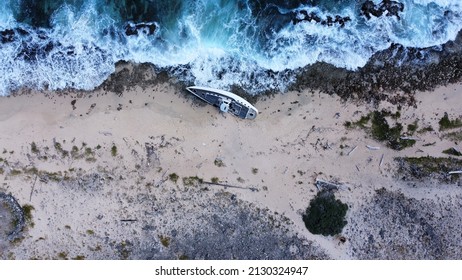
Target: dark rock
column 7, row 36
column 18, row 214
column 387, row 7
column 303, row 15
column 147, row 28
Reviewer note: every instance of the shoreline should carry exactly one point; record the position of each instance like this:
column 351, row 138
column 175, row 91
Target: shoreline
column 83, row 195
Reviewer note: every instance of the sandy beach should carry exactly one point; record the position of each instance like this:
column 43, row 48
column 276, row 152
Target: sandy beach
column 153, row 173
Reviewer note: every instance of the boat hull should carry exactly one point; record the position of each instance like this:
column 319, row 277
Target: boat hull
column 238, row 106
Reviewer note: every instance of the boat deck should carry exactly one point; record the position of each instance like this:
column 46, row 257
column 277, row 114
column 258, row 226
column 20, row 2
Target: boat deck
column 214, row 99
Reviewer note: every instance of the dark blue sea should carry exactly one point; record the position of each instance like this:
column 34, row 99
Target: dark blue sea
column 63, row 44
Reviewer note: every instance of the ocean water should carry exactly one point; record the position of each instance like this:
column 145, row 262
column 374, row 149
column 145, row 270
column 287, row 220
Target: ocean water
column 255, row 44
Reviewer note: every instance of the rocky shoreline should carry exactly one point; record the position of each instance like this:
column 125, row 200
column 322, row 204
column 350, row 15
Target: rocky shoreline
column 393, row 75
column 18, row 218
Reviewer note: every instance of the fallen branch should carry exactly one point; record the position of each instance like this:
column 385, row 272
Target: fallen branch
column 455, row 172
column 352, row 150
column 33, row 187
column 372, row 147
column 409, row 138
column 381, row 160
column 105, row 133
column 129, row 220
column 230, row 186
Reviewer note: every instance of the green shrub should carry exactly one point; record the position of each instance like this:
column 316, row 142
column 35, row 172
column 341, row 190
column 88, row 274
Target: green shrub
column 192, row 180
column 173, row 177
column 452, row 152
column 218, row 162
column 164, row 240
column 114, row 150
column 445, row 123
column 325, row 215
column 33, row 148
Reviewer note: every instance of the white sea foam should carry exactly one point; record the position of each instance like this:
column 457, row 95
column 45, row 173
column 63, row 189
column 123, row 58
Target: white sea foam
column 217, row 46
column 442, row 3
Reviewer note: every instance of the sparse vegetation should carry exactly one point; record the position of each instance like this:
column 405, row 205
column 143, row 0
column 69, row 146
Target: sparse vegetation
column 28, row 214
column 59, row 149
column 91, row 159
column 124, row 249
column 428, row 167
column 114, row 150
column 215, row 180
column 454, row 136
column 75, row 151
column 173, row 177
column 33, row 148
column 325, row 215
column 219, row 162
column 90, row 232
column 254, row 170
column 62, row 255
column 412, row 128
column 192, row 180
column 164, row 240
column 445, row 123
column 380, row 129
column 15, row 172
column 361, row 123
column 425, row 129
column 452, row 152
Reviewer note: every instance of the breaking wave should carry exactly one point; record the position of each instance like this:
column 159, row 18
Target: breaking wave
column 257, row 45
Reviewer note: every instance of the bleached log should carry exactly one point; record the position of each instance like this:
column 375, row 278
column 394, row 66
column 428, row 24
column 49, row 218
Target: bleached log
column 352, row 150
column 372, row 147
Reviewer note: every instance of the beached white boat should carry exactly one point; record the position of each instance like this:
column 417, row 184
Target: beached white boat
column 228, row 102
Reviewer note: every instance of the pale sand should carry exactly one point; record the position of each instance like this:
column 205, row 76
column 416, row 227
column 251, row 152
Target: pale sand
column 295, row 139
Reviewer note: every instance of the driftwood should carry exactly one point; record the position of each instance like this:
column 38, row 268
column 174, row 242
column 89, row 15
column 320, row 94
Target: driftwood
column 105, row 133
column 381, row 160
column 455, row 172
column 33, row 187
column 372, row 147
column 352, row 150
column 409, row 138
column 163, row 180
column 129, row 220
column 230, row 186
